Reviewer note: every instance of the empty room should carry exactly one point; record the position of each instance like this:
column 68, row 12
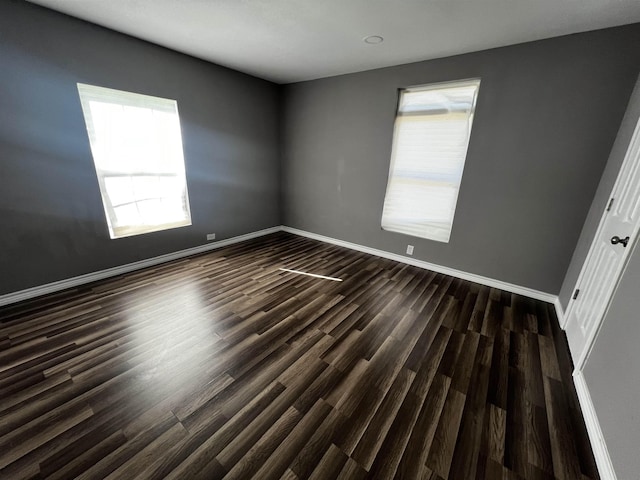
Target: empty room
column 319, row 240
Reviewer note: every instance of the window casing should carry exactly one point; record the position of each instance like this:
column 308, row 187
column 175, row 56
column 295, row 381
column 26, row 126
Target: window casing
column 430, row 140
column 136, row 145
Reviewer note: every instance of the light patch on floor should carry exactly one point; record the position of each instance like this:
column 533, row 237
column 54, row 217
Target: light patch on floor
column 311, row 274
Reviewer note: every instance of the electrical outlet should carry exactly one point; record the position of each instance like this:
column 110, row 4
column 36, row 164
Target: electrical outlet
column 409, row 249
column 211, row 236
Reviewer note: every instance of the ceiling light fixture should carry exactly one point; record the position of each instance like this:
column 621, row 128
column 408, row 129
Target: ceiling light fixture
column 373, row 39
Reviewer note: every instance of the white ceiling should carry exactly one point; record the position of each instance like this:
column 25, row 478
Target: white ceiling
column 291, row 40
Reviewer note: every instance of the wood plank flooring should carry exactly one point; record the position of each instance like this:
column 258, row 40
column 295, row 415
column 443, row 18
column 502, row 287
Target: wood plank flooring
column 223, row 366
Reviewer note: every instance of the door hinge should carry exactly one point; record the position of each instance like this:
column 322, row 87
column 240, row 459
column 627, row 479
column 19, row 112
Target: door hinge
column 610, row 205
column 576, row 293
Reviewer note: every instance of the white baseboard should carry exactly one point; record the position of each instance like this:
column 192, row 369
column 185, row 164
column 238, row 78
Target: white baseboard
column 111, row 272
column 560, row 313
column 598, row 445
column 472, row 277
column 130, row 267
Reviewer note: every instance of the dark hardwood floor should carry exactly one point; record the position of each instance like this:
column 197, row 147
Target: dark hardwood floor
column 223, row 366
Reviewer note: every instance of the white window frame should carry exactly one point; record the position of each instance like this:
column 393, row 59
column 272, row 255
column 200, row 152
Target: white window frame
column 410, row 182
column 172, row 169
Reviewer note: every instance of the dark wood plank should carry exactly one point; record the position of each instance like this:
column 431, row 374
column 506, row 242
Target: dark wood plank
column 223, row 366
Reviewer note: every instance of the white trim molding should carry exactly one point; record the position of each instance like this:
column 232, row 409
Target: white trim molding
column 562, row 319
column 472, row 277
column 598, row 445
column 130, row 267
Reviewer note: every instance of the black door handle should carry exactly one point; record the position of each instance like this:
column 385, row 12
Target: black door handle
column 615, row 240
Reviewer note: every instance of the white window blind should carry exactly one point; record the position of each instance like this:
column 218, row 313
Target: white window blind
column 136, row 145
column 430, row 140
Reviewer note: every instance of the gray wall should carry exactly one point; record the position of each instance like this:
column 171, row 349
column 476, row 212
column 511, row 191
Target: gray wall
column 546, row 118
column 52, row 224
column 601, row 197
column 612, row 374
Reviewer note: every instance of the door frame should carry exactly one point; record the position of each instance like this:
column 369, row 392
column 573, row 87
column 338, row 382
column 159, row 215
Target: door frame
column 632, row 155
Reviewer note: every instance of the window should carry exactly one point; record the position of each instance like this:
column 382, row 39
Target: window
column 430, row 140
column 137, row 151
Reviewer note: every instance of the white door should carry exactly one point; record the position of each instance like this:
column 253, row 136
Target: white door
column 611, row 246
